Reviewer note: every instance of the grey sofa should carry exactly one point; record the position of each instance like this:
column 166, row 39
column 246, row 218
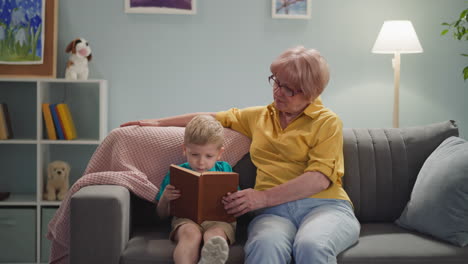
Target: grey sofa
column 111, row 225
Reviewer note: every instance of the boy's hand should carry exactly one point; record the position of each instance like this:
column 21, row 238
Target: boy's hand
column 170, row 193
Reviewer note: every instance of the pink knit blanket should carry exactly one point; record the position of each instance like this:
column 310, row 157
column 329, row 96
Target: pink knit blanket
column 136, row 158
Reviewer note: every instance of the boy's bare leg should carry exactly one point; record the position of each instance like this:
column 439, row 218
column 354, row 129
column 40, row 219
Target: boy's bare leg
column 214, row 231
column 188, row 238
column 216, row 249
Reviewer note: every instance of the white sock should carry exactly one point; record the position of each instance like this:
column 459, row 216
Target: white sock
column 215, row 251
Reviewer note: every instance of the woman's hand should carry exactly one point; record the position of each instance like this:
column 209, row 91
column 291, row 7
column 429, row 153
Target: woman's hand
column 244, row 201
column 146, row 122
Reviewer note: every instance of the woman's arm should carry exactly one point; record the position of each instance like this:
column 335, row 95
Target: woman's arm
column 306, row 185
column 178, row 121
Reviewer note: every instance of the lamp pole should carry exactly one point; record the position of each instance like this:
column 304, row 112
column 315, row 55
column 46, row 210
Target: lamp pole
column 397, row 37
column 396, row 95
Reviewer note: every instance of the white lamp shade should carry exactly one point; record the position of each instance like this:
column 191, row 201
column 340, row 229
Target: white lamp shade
column 397, row 36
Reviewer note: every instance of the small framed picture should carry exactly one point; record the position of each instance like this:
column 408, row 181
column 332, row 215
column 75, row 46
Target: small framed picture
column 299, row 9
column 184, row 7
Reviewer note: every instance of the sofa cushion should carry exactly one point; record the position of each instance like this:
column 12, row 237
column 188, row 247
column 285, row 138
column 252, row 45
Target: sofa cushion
column 387, row 243
column 439, row 201
column 247, row 172
column 381, row 166
column 151, row 245
column 379, row 243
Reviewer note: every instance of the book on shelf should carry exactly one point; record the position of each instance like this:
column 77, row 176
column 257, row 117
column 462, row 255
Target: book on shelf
column 60, row 119
column 3, row 125
column 67, row 121
column 48, row 122
column 202, row 193
column 55, row 117
column 8, row 121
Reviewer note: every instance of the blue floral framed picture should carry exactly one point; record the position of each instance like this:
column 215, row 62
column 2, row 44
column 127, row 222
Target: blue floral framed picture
column 21, row 33
column 299, row 9
column 28, row 38
column 184, row 7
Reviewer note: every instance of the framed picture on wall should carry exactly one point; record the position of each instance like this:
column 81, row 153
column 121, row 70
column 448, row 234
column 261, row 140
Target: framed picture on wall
column 28, row 39
column 299, row 9
column 184, row 7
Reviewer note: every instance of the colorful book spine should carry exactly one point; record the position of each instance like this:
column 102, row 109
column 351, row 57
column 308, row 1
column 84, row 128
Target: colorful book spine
column 3, row 125
column 55, row 117
column 71, row 122
column 67, row 121
column 48, row 121
column 65, row 136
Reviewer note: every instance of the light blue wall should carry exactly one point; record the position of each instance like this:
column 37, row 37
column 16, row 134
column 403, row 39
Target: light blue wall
column 160, row 65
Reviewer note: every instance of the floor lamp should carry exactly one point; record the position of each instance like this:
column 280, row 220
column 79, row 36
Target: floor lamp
column 397, row 37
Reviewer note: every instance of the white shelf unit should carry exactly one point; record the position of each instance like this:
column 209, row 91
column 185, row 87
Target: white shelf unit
column 24, row 159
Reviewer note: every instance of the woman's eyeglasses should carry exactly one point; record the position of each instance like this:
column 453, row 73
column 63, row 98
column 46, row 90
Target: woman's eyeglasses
column 285, row 89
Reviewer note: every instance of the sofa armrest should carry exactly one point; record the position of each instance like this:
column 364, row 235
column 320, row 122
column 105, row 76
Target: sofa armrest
column 99, row 224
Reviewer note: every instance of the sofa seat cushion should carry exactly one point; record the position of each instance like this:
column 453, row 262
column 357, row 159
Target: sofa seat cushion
column 388, row 243
column 153, row 246
column 379, row 243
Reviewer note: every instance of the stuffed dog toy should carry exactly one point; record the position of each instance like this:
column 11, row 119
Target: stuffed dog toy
column 57, row 180
column 77, row 65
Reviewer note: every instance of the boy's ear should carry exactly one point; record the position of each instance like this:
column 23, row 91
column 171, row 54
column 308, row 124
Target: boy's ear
column 220, row 153
column 184, row 151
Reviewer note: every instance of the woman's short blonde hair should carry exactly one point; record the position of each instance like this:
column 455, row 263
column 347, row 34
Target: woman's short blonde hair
column 204, row 129
column 302, row 69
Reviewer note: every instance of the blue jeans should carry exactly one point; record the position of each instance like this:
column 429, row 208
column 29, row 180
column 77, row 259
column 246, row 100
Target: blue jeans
column 311, row 230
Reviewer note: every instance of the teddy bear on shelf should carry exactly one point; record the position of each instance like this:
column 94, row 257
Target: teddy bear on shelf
column 77, row 65
column 57, row 180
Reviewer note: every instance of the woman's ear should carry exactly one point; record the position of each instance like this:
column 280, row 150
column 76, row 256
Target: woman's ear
column 220, row 153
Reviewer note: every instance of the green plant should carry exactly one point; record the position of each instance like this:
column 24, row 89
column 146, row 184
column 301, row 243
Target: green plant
column 460, row 32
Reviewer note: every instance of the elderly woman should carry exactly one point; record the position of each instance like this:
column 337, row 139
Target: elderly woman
column 301, row 209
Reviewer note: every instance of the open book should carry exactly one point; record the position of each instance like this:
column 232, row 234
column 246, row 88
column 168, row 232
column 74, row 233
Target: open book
column 202, row 193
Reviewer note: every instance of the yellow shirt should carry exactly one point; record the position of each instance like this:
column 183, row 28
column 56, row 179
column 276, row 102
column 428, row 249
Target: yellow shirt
column 313, row 141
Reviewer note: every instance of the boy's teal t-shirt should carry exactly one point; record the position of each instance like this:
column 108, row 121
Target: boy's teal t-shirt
column 219, row 166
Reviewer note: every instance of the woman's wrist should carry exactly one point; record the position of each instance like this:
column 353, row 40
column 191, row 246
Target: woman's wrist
column 266, row 201
column 149, row 122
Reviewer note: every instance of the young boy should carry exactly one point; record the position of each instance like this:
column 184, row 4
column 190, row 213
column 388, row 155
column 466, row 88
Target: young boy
column 203, row 146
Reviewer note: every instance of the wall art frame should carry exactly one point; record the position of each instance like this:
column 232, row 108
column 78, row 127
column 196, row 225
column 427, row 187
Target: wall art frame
column 180, row 7
column 48, row 67
column 291, row 9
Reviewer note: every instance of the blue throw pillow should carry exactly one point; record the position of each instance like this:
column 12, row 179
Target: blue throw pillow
column 439, row 201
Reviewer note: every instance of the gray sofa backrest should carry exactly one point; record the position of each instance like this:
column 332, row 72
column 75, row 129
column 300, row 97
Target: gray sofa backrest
column 381, row 166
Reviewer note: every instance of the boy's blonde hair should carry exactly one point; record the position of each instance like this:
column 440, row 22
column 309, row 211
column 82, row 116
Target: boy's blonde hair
column 204, row 129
